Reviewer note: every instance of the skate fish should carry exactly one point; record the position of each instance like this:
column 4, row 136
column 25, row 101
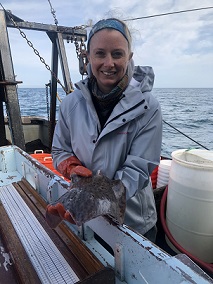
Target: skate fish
column 90, row 197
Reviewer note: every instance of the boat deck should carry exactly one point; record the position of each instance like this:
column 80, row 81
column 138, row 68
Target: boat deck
column 31, row 251
column 40, row 254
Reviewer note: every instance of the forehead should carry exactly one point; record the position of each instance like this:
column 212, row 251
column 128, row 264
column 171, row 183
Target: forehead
column 108, row 38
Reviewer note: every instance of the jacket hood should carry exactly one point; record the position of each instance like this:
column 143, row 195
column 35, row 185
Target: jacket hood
column 143, row 78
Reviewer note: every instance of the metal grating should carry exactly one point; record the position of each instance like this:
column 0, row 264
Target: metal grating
column 47, row 260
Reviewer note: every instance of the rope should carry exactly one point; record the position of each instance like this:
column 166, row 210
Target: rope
column 169, row 13
column 58, row 97
column 185, row 135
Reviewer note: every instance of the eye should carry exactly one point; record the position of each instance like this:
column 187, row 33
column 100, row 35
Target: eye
column 117, row 54
column 99, row 53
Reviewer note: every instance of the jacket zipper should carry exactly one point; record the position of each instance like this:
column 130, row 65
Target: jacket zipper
column 137, row 105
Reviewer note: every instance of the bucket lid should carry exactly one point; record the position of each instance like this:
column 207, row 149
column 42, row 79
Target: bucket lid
column 198, row 157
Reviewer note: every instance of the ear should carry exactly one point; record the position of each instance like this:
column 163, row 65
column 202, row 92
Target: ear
column 130, row 55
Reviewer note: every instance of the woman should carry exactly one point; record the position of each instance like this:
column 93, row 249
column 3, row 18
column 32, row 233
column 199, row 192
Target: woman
column 112, row 123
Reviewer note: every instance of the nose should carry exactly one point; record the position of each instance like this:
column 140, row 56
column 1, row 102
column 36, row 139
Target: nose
column 108, row 61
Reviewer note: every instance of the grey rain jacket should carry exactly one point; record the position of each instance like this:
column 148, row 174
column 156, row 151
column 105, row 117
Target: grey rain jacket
column 127, row 148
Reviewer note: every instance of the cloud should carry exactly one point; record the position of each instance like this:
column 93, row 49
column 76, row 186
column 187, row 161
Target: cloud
column 179, row 47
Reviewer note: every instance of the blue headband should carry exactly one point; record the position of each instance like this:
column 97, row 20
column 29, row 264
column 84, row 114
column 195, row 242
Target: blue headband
column 107, row 24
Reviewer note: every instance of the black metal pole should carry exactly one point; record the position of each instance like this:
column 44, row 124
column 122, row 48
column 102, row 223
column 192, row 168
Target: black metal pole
column 53, row 87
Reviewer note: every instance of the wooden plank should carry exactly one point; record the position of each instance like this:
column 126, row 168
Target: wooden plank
column 67, row 254
column 74, row 246
column 67, row 32
column 11, row 95
column 25, row 272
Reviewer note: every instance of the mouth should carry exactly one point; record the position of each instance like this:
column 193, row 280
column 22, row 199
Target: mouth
column 109, row 73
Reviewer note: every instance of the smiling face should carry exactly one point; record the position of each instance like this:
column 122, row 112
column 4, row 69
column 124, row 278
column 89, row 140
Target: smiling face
column 109, row 56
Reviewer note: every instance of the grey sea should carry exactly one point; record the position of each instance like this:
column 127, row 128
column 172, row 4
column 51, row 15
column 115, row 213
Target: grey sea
column 187, row 115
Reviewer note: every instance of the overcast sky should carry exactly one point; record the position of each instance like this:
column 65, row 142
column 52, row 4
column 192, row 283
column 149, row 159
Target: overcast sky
column 179, row 47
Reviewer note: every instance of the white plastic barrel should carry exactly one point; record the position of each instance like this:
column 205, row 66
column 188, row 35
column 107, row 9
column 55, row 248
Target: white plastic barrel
column 189, row 213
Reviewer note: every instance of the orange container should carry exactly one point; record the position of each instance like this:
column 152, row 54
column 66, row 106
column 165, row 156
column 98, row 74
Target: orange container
column 46, row 160
column 40, row 155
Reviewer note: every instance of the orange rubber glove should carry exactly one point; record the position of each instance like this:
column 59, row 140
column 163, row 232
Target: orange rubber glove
column 72, row 165
column 59, row 212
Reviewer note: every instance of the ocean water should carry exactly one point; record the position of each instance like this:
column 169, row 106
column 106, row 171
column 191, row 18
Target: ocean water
column 187, row 115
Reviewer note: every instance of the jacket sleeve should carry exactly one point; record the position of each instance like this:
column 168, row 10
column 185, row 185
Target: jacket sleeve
column 61, row 145
column 144, row 154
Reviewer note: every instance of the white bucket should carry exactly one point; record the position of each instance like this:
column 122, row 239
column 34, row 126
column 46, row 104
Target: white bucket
column 163, row 173
column 189, row 213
